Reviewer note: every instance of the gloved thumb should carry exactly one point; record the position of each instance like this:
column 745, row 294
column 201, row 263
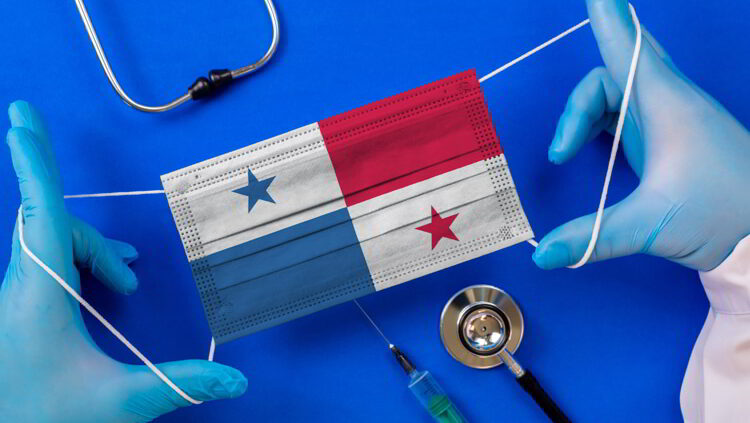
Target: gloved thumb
column 201, row 380
column 625, row 230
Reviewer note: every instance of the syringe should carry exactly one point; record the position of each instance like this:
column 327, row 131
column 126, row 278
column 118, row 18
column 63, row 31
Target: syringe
column 432, row 397
column 429, row 393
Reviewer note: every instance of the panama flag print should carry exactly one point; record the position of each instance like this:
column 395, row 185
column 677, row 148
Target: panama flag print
column 350, row 205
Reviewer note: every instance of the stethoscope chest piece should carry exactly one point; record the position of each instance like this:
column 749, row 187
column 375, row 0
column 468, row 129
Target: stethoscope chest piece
column 480, row 322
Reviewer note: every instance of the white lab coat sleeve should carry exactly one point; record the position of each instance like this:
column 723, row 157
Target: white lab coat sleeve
column 716, row 388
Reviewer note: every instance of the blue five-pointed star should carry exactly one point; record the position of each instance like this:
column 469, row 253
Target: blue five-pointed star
column 255, row 190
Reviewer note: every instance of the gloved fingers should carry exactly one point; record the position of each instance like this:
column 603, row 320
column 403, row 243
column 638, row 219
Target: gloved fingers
column 15, row 254
column 201, row 380
column 46, row 226
column 24, row 115
column 34, row 164
column 632, row 143
column 15, row 246
column 125, row 251
column 625, row 229
column 657, row 47
column 667, row 59
column 107, row 259
column 46, row 230
column 591, row 108
column 40, row 193
column 615, row 34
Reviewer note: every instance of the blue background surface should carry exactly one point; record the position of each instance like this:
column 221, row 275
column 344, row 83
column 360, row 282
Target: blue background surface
column 608, row 341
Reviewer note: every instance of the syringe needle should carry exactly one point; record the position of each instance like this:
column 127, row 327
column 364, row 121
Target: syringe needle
column 422, row 384
column 373, row 324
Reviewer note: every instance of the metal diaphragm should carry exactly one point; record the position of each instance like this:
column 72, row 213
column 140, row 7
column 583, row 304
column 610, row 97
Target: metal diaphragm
column 479, row 322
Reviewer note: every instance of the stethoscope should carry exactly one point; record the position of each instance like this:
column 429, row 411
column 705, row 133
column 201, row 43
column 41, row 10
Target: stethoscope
column 203, row 87
column 482, row 327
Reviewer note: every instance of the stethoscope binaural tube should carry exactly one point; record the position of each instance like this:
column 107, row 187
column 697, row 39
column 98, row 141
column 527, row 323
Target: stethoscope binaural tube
column 203, row 87
column 481, row 327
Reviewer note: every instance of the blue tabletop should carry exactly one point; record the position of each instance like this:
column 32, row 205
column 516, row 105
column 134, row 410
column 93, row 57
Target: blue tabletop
column 606, row 340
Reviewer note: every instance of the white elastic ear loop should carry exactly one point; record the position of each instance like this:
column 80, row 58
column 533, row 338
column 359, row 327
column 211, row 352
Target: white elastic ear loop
column 101, row 319
column 620, row 122
column 616, row 143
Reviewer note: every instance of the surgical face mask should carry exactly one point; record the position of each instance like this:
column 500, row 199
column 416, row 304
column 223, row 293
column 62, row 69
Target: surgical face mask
column 347, row 206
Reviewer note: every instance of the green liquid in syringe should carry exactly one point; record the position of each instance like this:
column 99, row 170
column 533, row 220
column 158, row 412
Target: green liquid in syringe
column 426, row 389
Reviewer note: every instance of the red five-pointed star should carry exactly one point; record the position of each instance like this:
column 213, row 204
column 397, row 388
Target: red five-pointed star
column 439, row 228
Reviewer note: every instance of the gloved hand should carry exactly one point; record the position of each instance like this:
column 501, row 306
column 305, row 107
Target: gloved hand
column 50, row 368
column 692, row 205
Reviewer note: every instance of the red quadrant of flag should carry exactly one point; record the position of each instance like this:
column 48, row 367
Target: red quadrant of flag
column 410, row 138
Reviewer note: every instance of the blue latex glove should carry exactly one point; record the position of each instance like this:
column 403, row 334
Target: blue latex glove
column 692, row 157
column 50, row 368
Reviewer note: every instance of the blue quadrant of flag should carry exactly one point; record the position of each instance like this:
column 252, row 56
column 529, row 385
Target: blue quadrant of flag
column 320, row 257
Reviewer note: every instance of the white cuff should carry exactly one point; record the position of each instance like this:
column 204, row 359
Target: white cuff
column 716, row 387
column 728, row 286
